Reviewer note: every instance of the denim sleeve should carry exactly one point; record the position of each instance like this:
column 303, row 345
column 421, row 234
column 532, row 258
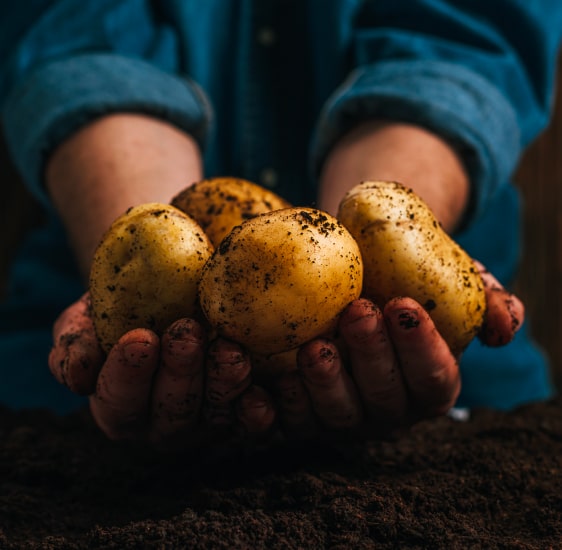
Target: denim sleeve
column 69, row 62
column 480, row 76
column 58, row 98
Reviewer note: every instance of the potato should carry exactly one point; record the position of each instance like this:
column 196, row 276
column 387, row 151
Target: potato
column 146, row 270
column 281, row 279
column 407, row 253
column 219, row 204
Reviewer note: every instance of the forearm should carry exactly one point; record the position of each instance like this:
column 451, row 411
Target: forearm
column 116, row 162
column 379, row 150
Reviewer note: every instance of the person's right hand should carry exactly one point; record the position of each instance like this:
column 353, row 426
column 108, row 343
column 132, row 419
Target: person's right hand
column 173, row 391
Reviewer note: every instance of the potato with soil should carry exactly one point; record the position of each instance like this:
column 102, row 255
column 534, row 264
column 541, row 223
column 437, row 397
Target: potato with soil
column 281, row 279
column 146, row 270
column 407, row 253
column 219, row 204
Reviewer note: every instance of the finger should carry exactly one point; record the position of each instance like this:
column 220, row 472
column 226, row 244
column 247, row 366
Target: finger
column 228, row 372
column 374, row 363
column 178, row 386
column 255, row 411
column 76, row 357
column 120, row 405
column 266, row 369
column 430, row 370
column 334, row 397
column 295, row 408
column 505, row 313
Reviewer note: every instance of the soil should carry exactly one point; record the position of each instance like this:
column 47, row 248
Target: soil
column 492, row 482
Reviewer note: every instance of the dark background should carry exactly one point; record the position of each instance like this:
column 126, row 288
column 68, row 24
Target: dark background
column 540, row 281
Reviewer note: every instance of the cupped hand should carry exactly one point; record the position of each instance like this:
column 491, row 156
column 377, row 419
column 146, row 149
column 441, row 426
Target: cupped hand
column 391, row 369
column 175, row 391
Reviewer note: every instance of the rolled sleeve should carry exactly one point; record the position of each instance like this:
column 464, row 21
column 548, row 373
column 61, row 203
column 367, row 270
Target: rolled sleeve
column 57, row 98
column 450, row 100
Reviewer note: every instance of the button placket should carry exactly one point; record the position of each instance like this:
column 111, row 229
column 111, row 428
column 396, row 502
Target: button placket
column 266, row 36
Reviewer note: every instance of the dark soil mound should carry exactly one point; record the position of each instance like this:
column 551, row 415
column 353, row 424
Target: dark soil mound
column 492, row 482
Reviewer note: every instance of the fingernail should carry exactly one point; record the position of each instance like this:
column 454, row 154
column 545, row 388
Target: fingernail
column 515, row 321
column 252, row 401
column 185, row 330
column 218, row 416
column 311, row 357
column 137, row 354
column 255, row 413
column 223, row 352
column 406, row 318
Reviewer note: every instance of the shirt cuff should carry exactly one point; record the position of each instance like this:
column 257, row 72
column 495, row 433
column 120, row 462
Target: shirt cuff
column 450, row 100
column 57, row 99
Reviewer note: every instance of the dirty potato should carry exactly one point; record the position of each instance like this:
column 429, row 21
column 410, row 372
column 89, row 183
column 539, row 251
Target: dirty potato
column 281, row 279
column 219, row 204
column 407, row 253
column 146, row 270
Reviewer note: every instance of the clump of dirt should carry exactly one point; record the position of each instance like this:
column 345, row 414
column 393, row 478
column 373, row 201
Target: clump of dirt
column 492, row 482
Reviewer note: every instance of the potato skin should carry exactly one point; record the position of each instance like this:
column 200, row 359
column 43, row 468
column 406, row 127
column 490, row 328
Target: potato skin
column 146, row 270
column 407, row 253
column 281, row 279
column 219, row 204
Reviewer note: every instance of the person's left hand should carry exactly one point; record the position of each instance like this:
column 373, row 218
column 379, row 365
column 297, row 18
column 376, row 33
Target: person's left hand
column 393, row 368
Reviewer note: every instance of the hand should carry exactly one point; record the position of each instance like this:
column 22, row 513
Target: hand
column 400, row 370
column 162, row 390
column 392, row 367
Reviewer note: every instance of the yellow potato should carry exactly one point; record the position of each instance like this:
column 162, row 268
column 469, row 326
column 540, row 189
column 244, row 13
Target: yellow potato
column 281, row 279
column 146, row 270
column 219, row 204
column 407, row 253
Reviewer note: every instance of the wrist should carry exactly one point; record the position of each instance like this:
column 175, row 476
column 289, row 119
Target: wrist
column 114, row 163
column 413, row 156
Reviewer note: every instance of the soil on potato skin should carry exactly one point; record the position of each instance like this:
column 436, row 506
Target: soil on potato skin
column 492, row 482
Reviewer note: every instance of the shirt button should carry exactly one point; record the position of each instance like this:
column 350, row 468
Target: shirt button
column 266, row 36
column 269, row 178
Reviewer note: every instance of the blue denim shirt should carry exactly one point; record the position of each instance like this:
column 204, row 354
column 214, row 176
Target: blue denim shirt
column 267, row 87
